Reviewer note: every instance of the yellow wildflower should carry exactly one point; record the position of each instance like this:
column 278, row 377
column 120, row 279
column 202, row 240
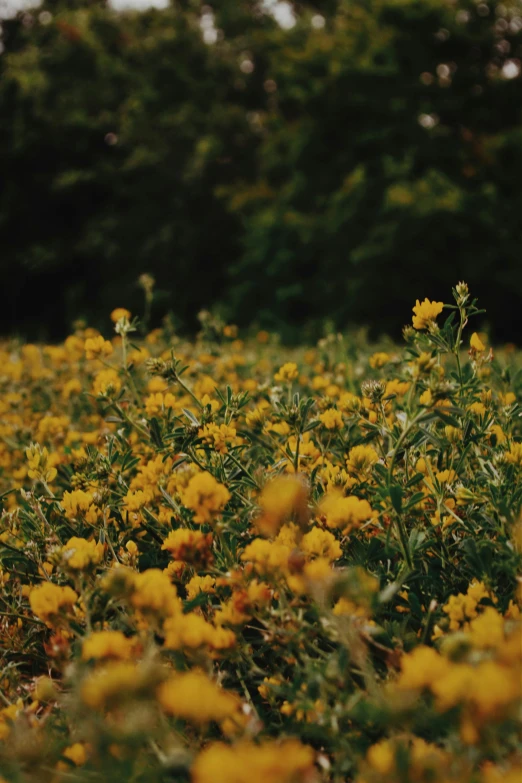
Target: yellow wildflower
column 80, row 503
column 514, row 455
column 118, row 313
column 106, row 382
column 38, row 461
column 107, row 644
column 200, row 584
column 75, row 753
column 79, row 554
column 196, row 698
column 97, row 347
column 205, row 496
column 344, row 512
column 425, row 313
column 476, row 343
column 321, row 543
column 379, row 359
column 47, row 600
column 288, row 372
column 219, row 436
column 421, row 667
column 191, row 546
column 154, row 592
column 116, row 681
column 332, row 419
column 247, row 762
column 361, row 459
column 282, row 498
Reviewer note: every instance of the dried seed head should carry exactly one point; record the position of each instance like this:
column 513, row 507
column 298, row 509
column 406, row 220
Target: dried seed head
column 373, row 390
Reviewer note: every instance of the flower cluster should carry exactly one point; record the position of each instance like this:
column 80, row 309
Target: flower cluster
column 222, row 561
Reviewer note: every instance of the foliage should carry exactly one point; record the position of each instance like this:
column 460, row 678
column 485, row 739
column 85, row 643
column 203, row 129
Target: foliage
column 284, row 176
column 226, row 562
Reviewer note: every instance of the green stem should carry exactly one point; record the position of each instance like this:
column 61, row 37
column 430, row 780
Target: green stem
column 243, row 468
column 404, row 540
column 463, row 322
column 191, row 393
column 22, row 617
column 296, row 458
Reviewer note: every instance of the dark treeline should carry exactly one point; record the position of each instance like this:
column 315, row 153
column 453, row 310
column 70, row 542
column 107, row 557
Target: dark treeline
column 331, row 172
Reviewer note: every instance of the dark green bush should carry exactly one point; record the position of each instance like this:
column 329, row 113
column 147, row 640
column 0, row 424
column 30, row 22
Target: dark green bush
column 283, row 176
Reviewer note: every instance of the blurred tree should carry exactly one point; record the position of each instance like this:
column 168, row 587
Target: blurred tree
column 383, row 168
column 115, row 131
column 338, row 169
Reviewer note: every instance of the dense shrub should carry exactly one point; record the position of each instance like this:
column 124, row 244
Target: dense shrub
column 286, row 176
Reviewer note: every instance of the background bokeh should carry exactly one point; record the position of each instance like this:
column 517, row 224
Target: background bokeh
column 296, row 166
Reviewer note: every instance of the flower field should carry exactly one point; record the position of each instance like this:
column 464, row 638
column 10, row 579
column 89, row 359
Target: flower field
column 224, row 561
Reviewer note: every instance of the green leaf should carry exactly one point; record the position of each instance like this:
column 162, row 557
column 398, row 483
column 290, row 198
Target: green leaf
column 190, row 416
column 155, row 433
column 396, row 497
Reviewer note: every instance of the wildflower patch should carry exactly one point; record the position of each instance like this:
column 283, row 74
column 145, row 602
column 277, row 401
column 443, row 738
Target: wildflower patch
column 225, row 562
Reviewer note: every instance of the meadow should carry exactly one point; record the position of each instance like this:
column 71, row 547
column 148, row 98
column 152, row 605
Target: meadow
column 227, row 561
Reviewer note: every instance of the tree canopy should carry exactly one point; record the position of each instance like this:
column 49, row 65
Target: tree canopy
column 335, row 170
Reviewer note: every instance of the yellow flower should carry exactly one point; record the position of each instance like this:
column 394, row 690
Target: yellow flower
column 187, row 630
column 47, row 600
column 200, row 584
column 426, row 398
column 494, row 687
column 267, row 556
column 476, row 343
column 507, row 399
column 460, row 608
column 194, row 697
column 321, row 543
column 79, row 554
column 245, row 762
column 288, row 372
column 134, row 501
column 332, row 419
column 7, row 716
column 425, row 313
column 317, row 573
column 191, row 546
column 73, row 386
column 75, row 753
column 80, row 503
column 154, row 592
column 118, row 313
column 219, row 436
column 361, row 459
column 397, row 387
column 349, row 402
column 478, row 408
column 97, row 347
column 514, row 455
column 115, row 682
column 421, row 667
column 205, row 496
column 106, row 382
column 496, row 434
column 38, row 461
column 107, row 644
column 344, row 512
column 346, row 607
column 453, row 685
column 282, row 498
column 381, row 757
column 379, row 359
column 487, row 630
